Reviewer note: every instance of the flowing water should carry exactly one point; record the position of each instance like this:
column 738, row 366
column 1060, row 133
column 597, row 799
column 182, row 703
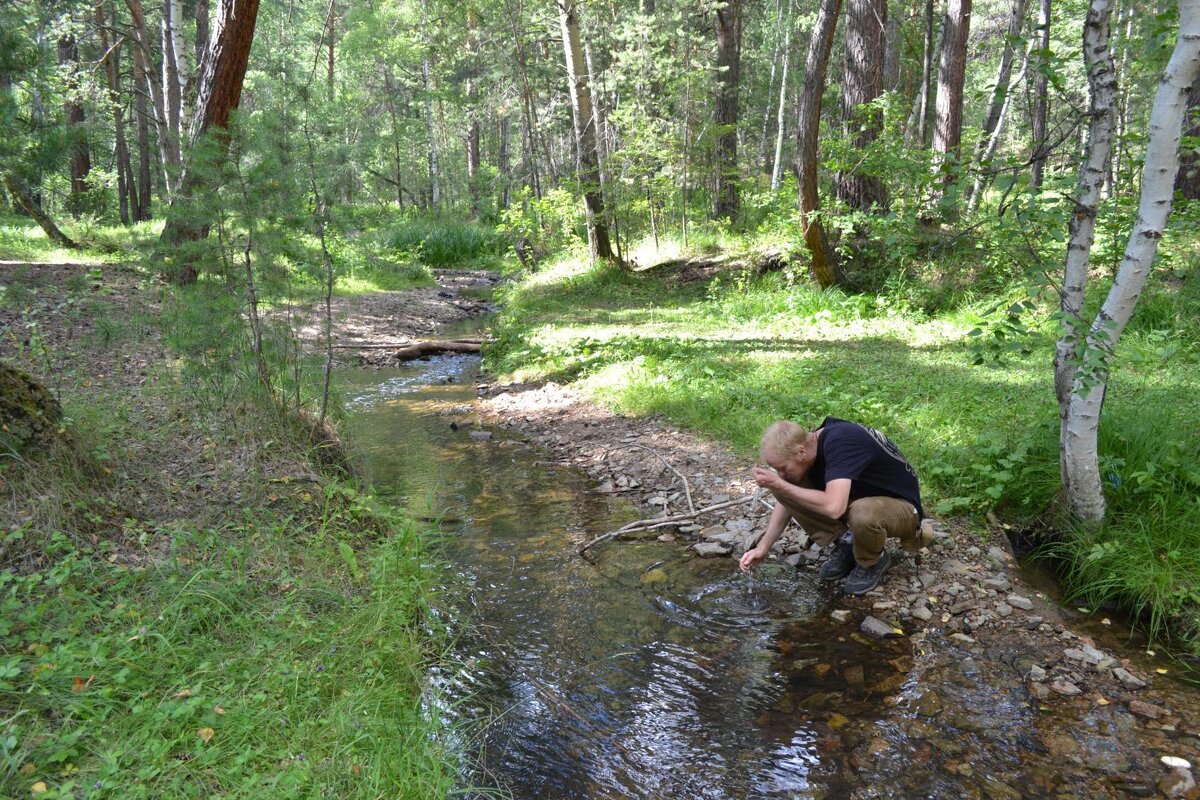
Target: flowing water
column 646, row 673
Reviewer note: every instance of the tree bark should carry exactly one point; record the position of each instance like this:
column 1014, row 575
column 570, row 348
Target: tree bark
column 1188, row 181
column 168, row 144
column 921, row 104
column 30, row 206
column 780, row 126
column 112, row 73
column 999, row 100
column 947, row 129
column 866, row 28
column 202, row 12
column 729, row 45
column 172, row 86
column 1080, row 433
column 587, row 160
column 781, row 25
column 891, row 53
column 219, row 93
column 81, row 160
column 1041, row 95
column 472, row 137
column 808, row 123
column 145, row 177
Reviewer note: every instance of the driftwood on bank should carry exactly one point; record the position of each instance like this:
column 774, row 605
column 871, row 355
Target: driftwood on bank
column 415, row 350
column 660, row 522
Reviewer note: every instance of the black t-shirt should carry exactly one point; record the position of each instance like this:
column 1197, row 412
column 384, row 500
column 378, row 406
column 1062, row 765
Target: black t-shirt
column 875, row 466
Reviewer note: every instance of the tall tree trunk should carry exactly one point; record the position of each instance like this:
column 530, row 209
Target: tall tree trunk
column 891, row 54
column 397, row 161
column 30, row 206
column 168, row 144
column 1080, row 431
column 781, row 28
column 1041, row 99
column 993, row 141
column 999, row 101
column 947, row 129
column 866, row 26
column 145, row 176
column 1122, row 57
column 729, row 46
column 219, row 92
column 472, row 137
column 81, row 160
column 330, row 54
column 112, row 73
column 502, row 164
column 918, row 122
column 171, row 73
column 587, row 160
column 202, row 12
column 1188, row 182
column 780, row 126
column 808, row 124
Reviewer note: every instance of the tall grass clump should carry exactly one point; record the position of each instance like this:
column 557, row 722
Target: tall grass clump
column 438, row 242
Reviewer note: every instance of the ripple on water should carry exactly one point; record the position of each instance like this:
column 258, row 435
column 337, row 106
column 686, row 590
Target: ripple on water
column 416, row 375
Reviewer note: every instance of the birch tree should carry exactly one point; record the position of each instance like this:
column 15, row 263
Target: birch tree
column 990, row 130
column 587, row 159
column 1087, row 357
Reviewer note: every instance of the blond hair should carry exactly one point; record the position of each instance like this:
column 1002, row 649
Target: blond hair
column 783, row 439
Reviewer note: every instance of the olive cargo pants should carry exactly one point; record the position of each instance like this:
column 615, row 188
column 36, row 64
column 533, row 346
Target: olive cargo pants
column 871, row 520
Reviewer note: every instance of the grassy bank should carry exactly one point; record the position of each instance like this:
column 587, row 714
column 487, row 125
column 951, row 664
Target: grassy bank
column 728, row 354
column 189, row 605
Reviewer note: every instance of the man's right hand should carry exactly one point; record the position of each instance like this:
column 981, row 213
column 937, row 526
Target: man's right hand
column 750, row 558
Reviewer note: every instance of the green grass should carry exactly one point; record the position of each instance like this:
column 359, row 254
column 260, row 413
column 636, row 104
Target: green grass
column 437, row 242
column 727, row 357
column 261, row 660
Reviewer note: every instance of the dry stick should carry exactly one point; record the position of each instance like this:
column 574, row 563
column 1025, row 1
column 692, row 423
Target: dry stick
column 658, row 522
column 687, row 490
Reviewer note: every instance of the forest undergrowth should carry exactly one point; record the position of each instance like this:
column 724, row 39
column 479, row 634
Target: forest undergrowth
column 949, row 352
column 190, row 603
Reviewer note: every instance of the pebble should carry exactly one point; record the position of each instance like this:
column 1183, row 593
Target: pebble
column 922, row 613
column 480, row 436
column 873, row 626
column 1128, row 679
column 711, row 549
column 840, row 615
column 1017, row 601
column 1065, row 688
column 962, row 638
column 1147, row 710
column 1177, row 783
column 1003, row 609
column 997, row 584
column 927, row 579
column 1037, row 673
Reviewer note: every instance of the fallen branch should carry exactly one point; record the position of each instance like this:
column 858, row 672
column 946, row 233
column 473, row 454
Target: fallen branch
column 660, row 522
column 687, row 490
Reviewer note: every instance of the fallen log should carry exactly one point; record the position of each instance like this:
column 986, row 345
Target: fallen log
column 411, row 352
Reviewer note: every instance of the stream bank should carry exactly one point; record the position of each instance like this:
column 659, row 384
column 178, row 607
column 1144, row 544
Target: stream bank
column 962, row 679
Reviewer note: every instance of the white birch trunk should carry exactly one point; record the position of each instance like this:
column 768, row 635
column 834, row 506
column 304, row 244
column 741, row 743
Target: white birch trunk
column 777, row 164
column 1081, row 423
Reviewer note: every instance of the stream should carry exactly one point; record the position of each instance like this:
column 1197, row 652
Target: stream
column 651, row 674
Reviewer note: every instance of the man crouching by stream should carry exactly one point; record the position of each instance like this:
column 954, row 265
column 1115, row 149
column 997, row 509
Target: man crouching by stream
column 845, row 484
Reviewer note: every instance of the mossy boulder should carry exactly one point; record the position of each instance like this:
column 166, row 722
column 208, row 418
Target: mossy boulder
column 29, row 414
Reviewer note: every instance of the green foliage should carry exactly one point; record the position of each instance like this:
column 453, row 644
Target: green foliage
column 443, row 242
column 242, row 662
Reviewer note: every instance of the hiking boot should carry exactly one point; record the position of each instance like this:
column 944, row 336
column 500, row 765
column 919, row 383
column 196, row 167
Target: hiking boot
column 863, row 579
column 839, row 563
